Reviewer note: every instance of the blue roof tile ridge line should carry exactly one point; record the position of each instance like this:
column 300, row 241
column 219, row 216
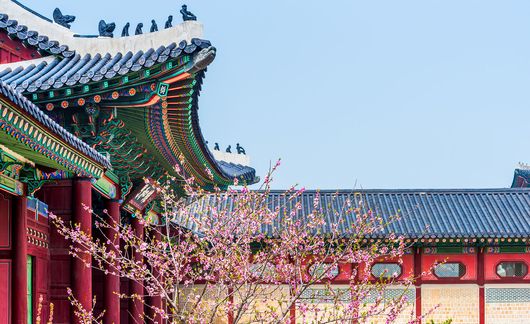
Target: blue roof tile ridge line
column 413, row 190
column 72, row 70
column 45, row 35
column 443, row 213
column 40, row 116
column 32, row 11
column 31, row 37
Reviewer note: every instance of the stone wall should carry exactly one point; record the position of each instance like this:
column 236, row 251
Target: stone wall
column 459, row 302
column 267, row 299
column 321, row 310
column 507, row 304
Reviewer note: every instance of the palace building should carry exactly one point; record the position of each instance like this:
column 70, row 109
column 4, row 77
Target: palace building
column 473, row 243
column 93, row 120
column 84, row 121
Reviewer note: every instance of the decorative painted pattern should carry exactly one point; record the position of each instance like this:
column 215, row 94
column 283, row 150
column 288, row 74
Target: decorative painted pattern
column 23, row 129
column 324, row 295
column 507, row 295
column 38, row 238
column 127, row 81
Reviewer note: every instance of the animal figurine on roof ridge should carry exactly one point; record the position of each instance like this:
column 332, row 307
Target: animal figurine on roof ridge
column 240, row 149
column 125, row 30
column 154, row 26
column 138, row 30
column 63, row 20
column 106, row 30
column 169, row 22
column 187, row 15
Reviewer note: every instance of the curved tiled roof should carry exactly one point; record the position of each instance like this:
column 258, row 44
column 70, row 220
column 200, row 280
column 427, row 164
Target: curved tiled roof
column 69, row 69
column 241, row 172
column 90, row 68
column 430, row 213
column 33, row 38
column 46, row 75
column 49, row 123
column 521, row 178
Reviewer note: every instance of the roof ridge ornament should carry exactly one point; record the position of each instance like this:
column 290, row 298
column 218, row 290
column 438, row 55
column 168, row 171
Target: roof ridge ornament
column 63, row 20
column 125, row 30
column 138, row 30
column 106, row 30
column 523, row 166
column 169, row 22
column 186, row 14
column 154, row 26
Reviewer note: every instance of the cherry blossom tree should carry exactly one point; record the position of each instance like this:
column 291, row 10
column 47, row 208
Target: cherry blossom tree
column 246, row 256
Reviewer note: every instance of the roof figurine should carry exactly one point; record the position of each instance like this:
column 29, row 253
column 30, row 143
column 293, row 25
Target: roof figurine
column 63, row 20
column 229, row 149
column 240, row 149
column 169, row 22
column 106, row 30
column 154, row 26
column 125, row 30
column 138, row 30
column 216, row 147
column 187, row 15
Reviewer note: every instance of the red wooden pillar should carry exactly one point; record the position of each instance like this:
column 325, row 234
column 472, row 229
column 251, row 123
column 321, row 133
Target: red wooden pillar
column 417, row 283
column 231, row 310
column 292, row 313
column 355, row 312
column 112, row 282
column 20, row 277
column 156, row 301
column 136, row 305
column 81, row 274
column 480, row 282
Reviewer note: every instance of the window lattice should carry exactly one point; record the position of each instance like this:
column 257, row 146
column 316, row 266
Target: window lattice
column 386, row 270
column 512, row 269
column 449, row 270
column 325, row 295
column 324, row 271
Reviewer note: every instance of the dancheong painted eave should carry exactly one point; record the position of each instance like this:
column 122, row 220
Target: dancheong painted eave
column 127, row 78
column 422, row 213
column 24, row 122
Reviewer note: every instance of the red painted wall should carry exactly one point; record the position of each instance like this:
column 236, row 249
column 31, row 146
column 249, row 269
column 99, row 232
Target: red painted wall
column 12, row 50
column 492, row 260
column 40, row 233
column 58, row 196
column 5, row 262
column 5, row 221
column 5, row 291
column 407, row 266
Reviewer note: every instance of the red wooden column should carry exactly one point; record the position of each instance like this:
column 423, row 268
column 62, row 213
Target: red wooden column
column 136, row 305
column 417, row 283
column 20, row 275
column 156, row 301
column 480, row 282
column 81, row 274
column 231, row 311
column 112, row 282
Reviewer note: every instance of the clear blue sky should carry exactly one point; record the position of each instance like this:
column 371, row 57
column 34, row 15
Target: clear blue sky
column 381, row 94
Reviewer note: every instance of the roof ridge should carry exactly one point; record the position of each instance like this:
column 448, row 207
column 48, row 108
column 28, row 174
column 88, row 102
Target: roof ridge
column 418, row 191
